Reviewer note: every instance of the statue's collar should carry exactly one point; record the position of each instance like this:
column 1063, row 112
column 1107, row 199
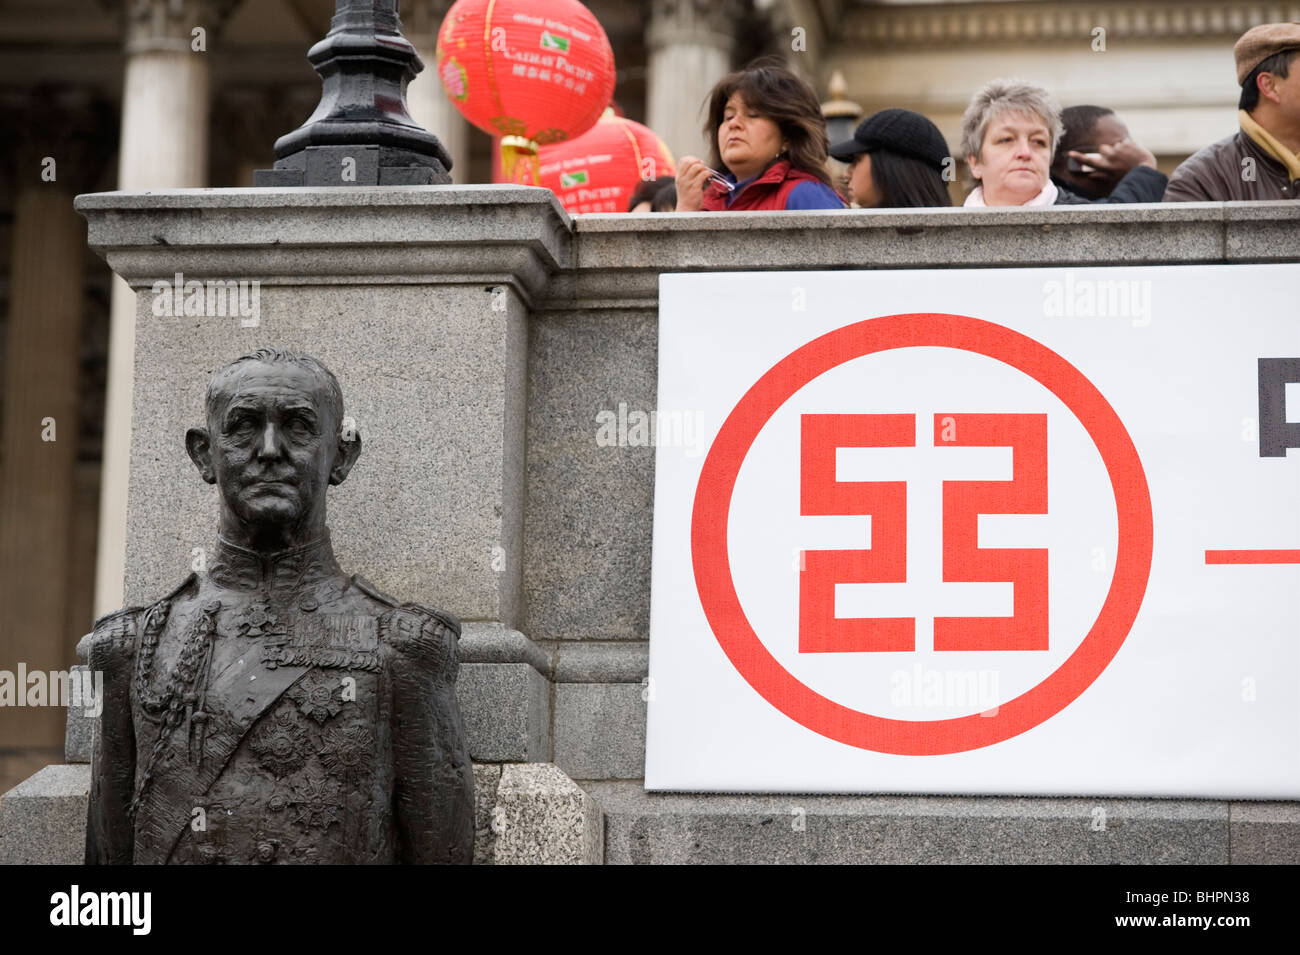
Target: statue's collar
column 282, row 572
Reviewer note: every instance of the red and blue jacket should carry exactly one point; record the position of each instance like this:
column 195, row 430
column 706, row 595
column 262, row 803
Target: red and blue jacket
column 778, row 188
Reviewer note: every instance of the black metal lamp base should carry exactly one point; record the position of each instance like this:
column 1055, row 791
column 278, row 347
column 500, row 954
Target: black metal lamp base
column 353, row 166
column 361, row 133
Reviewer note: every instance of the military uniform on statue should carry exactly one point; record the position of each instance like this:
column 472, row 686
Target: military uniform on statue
column 274, row 709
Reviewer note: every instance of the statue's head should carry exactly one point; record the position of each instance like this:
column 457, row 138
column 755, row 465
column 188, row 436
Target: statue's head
column 274, row 441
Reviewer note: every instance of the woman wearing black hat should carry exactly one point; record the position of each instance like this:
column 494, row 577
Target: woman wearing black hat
column 897, row 159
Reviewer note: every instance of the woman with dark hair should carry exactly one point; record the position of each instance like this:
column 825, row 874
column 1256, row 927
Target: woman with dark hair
column 768, row 146
column 645, row 197
column 665, row 199
column 897, row 159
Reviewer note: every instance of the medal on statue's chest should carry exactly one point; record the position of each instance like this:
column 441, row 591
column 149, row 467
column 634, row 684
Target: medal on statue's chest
column 257, row 620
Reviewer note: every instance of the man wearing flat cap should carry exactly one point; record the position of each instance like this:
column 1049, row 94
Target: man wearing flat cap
column 1261, row 160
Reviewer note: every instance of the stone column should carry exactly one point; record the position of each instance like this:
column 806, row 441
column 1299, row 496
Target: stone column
column 53, row 158
column 426, row 100
column 691, row 44
column 164, row 145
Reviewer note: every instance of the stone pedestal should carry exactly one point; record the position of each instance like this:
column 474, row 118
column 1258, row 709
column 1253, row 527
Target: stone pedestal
column 417, row 299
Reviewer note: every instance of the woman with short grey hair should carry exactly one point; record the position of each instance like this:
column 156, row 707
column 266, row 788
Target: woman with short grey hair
column 1008, row 136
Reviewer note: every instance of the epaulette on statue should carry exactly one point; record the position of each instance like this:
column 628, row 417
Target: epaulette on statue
column 415, row 630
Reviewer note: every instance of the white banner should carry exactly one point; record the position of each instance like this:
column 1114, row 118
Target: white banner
column 1020, row 531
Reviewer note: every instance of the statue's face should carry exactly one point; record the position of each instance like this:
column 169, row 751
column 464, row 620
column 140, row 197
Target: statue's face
column 273, row 443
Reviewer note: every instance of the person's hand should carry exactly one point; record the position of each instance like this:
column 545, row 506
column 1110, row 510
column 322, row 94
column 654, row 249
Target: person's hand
column 692, row 177
column 1113, row 161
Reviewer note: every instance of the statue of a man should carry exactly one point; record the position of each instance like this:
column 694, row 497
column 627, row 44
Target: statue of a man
column 272, row 708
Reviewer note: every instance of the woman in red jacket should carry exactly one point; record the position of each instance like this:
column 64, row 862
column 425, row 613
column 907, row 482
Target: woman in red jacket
column 769, row 146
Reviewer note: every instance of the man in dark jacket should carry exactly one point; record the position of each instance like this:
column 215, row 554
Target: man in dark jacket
column 1262, row 159
column 1096, row 161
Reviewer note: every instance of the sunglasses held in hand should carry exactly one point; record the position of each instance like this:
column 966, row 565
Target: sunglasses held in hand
column 721, row 180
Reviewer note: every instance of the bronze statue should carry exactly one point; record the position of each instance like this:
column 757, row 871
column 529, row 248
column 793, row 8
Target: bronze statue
column 273, row 709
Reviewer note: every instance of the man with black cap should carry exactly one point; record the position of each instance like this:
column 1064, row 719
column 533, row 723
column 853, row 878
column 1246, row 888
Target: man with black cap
column 897, row 159
column 1262, row 159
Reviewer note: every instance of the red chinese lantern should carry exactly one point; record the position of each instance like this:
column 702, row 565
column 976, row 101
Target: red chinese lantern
column 597, row 171
column 533, row 72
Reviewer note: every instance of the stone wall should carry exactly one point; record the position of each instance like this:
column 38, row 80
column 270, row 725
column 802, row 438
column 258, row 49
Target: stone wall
column 478, row 332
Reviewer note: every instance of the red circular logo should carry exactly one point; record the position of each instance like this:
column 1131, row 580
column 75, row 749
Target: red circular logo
column 773, row 682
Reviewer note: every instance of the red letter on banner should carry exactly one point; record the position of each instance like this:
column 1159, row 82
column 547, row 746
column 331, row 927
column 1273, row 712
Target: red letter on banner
column 964, row 561
column 820, row 631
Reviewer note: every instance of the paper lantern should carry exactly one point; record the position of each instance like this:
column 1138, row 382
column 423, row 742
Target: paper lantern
column 533, row 72
column 597, row 171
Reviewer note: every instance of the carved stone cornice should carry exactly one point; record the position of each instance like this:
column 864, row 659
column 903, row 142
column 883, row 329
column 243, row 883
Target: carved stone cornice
column 694, row 22
column 989, row 23
column 167, row 25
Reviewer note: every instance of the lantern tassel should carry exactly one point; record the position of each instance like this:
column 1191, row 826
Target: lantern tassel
column 519, row 160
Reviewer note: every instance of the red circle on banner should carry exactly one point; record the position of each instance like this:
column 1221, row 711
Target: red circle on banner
column 778, row 686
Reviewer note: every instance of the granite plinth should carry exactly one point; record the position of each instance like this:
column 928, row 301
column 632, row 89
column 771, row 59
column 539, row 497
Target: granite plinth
column 43, row 818
column 543, row 818
column 523, row 814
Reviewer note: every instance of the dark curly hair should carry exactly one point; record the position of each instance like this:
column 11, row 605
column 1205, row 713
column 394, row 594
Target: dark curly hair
column 767, row 86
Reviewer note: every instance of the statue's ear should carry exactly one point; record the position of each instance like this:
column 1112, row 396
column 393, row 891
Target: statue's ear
column 349, row 450
column 199, row 447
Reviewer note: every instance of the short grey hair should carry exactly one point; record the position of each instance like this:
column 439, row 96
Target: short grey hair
column 1008, row 96
column 271, row 356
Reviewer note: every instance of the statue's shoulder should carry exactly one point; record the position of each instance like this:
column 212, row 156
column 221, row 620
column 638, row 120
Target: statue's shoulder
column 115, row 635
column 418, row 632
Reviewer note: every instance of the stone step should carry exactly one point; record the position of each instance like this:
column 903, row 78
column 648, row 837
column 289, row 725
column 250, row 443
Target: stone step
column 643, row 827
column 43, row 818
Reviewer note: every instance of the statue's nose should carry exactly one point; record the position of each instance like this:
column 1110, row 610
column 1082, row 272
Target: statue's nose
column 270, row 444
